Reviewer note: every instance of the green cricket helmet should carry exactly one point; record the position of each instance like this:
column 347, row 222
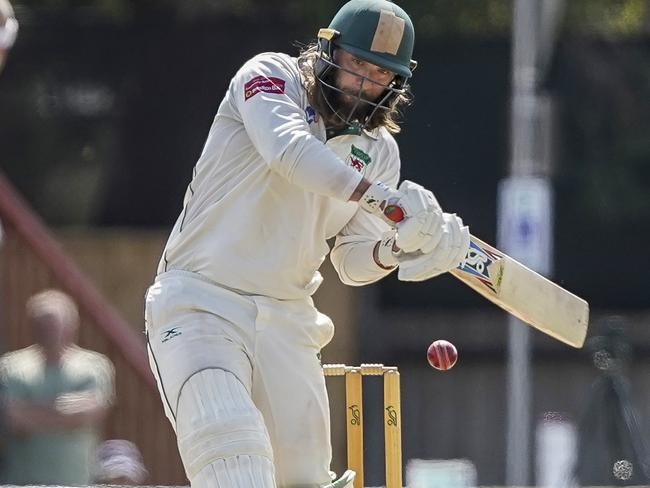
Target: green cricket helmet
column 376, row 31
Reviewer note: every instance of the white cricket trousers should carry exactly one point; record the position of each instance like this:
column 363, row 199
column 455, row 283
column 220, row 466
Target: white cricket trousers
column 269, row 349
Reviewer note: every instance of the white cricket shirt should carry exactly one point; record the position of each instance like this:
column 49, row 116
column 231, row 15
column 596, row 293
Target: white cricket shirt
column 267, row 192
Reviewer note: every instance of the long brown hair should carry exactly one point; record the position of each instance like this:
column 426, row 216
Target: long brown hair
column 386, row 118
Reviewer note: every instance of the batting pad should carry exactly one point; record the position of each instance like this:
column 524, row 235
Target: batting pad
column 219, row 428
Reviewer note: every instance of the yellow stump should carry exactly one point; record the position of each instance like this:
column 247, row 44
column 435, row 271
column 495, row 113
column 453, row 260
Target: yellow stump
column 354, row 416
column 392, row 429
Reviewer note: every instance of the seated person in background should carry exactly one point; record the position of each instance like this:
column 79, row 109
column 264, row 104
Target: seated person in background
column 56, row 397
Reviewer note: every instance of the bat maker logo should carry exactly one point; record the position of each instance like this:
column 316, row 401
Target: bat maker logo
column 170, row 334
column 358, row 159
column 355, row 414
column 263, row 84
column 392, row 416
column 477, row 264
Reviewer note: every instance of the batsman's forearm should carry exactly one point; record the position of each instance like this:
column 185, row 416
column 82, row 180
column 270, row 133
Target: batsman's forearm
column 361, row 188
column 356, row 265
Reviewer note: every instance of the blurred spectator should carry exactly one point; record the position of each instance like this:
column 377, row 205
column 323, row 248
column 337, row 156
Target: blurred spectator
column 56, row 396
column 8, row 30
column 119, row 462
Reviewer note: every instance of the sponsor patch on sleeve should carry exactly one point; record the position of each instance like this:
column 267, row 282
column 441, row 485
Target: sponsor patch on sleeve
column 263, row 84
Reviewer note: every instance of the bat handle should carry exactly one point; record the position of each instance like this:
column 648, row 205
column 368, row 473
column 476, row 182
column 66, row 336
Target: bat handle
column 394, row 213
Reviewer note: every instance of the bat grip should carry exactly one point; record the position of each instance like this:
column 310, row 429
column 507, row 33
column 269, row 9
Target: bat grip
column 394, row 213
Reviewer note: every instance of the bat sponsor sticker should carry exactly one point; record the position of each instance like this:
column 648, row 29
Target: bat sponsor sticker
column 263, row 84
column 478, row 264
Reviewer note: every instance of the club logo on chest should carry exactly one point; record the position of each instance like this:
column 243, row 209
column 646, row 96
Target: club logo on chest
column 358, row 159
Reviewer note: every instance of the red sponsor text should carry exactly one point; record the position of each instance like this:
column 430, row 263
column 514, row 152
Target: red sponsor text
column 263, row 84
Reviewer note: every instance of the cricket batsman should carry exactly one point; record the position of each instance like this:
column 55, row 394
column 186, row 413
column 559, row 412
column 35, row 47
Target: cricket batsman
column 301, row 150
column 8, row 30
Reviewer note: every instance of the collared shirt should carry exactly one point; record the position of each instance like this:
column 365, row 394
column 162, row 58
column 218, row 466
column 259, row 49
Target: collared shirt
column 63, row 457
column 269, row 190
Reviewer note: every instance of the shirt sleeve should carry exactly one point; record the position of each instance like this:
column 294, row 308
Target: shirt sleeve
column 352, row 254
column 267, row 94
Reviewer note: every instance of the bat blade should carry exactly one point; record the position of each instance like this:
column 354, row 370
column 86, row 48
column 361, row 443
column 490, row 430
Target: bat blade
column 524, row 293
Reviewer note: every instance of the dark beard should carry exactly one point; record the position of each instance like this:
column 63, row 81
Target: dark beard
column 344, row 107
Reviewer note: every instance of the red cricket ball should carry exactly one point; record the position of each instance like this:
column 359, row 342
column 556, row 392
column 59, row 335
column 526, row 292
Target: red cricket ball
column 442, row 355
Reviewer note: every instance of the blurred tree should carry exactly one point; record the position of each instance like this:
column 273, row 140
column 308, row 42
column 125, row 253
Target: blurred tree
column 609, row 17
column 432, row 18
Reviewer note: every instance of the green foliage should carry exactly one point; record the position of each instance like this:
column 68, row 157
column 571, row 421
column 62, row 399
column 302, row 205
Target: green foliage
column 608, row 17
column 432, row 17
column 114, row 11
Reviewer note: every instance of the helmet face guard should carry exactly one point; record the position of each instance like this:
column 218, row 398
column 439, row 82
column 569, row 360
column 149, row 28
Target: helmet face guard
column 363, row 109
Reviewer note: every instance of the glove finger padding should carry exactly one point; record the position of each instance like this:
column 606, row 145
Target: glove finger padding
column 422, row 226
column 418, row 267
column 453, row 225
column 461, row 244
column 447, row 255
column 464, row 247
column 434, row 236
column 420, row 232
column 416, row 197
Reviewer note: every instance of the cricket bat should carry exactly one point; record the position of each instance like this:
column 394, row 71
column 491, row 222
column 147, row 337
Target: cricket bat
column 524, row 293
